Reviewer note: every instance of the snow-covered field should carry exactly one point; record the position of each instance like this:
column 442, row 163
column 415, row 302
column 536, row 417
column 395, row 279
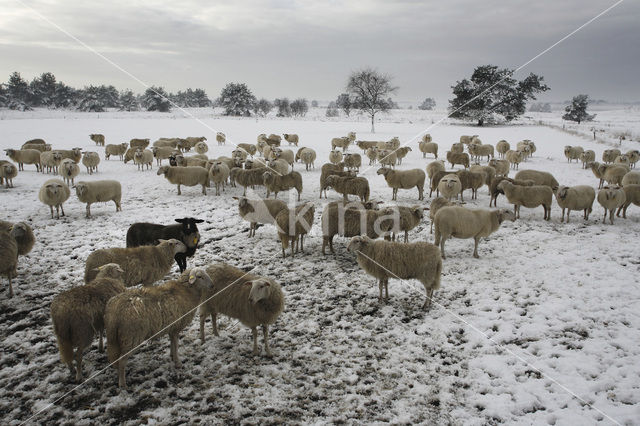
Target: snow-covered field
column 542, row 329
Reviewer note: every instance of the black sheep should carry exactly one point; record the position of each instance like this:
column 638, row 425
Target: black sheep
column 143, row 233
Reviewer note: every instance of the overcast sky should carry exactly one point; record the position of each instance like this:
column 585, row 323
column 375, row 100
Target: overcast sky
column 308, row 48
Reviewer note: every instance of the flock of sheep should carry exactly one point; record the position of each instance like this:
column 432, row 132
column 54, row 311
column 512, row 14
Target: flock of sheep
column 129, row 316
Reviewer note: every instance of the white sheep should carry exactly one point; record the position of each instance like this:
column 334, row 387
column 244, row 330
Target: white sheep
column 632, row 196
column 187, row 176
column 575, row 198
column 459, row 222
column 428, row 148
column 528, row 196
column 97, row 138
column 458, row 158
column 353, row 161
column 615, row 173
column 372, row 155
column 218, row 174
column 457, row 148
column 24, row 156
column 634, row 157
column 433, row 167
column 573, row 153
column 279, row 166
column 115, row 149
column 502, row 147
column 293, row 225
column 450, row 186
column 68, row 170
column 291, row 138
column 609, row 155
column 162, row 153
column 90, row 160
column 201, row 147
column 141, row 265
column 8, row 171
column 437, row 204
column 253, row 300
column 308, row 157
column 349, row 185
column 99, row 191
column 402, row 219
column 385, row 259
column 54, row 193
column 137, row 315
column 631, row 178
column 387, row 158
column 78, row 314
column 259, row 211
column 538, row 177
column 221, row 138
column 588, row 156
column 349, row 219
column 143, row 158
column 404, row 179
column 278, row 183
column 51, row 161
column 8, row 257
column 501, row 167
column 611, row 198
column 514, row 158
column 335, row 157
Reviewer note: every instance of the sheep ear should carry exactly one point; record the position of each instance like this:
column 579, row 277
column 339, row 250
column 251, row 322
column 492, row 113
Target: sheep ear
column 235, row 198
column 248, row 283
column 180, row 220
column 160, row 240
column 198, row 220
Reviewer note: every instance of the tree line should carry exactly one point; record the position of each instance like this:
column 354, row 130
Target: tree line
column 491, row 95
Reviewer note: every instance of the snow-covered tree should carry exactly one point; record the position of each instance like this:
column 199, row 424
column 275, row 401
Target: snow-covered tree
column 540, row 107
column 284, row 107
column 428, row 104
column 493, row 94
column 577, row 110
column 156, row 99
column 128, row 101
column 64, row 96
column 262, row 107
column 237, row 99
column 43, row 90
column 109, row 96
column 332, row 110
column 90, row 99
column 369, row 88
column 18, row 92
column 3, row 95
column 345, row 103
column 299, row 107
column 314, row 104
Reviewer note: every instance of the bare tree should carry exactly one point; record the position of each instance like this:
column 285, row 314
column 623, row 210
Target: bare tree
column 370, row 89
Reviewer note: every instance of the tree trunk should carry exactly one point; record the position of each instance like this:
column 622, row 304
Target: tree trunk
column 373, row 116
column 480, row 122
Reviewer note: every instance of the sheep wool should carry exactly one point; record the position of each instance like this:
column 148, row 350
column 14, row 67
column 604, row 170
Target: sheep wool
column 140, row 314
column 405, row 179
column 8, row 257
column 459, row 222
column 99, row 191
column 253, row 300
column 141, row 265
column 611, row 198
column 384, row 259
column 575, row 198
column 78, row 314
column 54, row 193
column 293, row 225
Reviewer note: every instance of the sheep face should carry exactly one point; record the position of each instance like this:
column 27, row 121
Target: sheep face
column 383, row 171
column 190, row 227
column 260, row 289
column 561, row 193
column 177, row 246
column 54, row 189
column 199, row 279
column 162, row 170
column 505, row 214
column 81, row 188
column 357, row 243
column 111, row 270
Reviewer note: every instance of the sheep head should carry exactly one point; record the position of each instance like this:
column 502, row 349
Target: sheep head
column 54, row 188
column 383, row 171
column 162, row 170
column 561, row 192
column 505, row 214
column 357, row 243
column 260, row 289
column 189, row 227
column 199, row 279
column 81, row 188
column 176, row 245
column 111, row 270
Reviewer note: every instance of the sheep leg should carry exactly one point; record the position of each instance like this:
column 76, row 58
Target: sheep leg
column 57, row 211
column 611, row 216
column 254, row 333
column 380, row 285
column 386, row 289
column 62, row 209
column 51, row 207
column 122, row 363
column 214, row 323
column 202, row 320
column 427, row 303
column 174, row 350
column 88, row 210
column 265, row 335
column 475, row 247
column 10, row 285
column 604, row 219
column 406, row 236
column 100, row 343
column 562, row 218
column 78, row 357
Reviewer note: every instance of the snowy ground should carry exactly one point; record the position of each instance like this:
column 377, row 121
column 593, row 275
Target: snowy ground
column 543, row 328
